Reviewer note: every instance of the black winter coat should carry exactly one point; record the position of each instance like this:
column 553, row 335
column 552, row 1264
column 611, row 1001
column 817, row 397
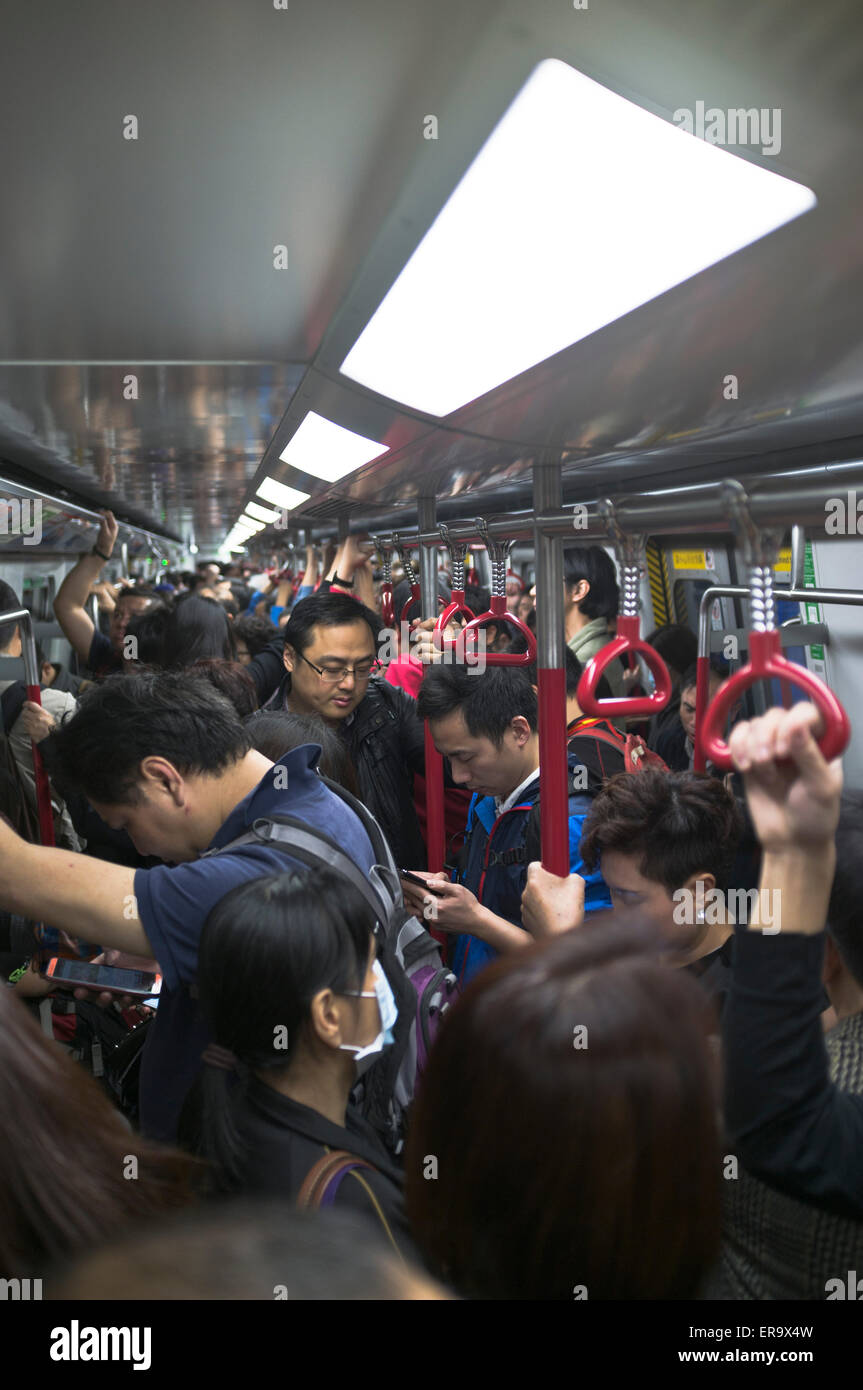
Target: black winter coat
column 386, row 743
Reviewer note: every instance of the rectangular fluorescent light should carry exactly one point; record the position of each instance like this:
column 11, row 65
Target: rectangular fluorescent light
column 580, row 207
column 259, row 513
column 327, row 450
column 280, row 495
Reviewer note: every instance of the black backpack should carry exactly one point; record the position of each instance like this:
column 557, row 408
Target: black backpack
column 409, row 957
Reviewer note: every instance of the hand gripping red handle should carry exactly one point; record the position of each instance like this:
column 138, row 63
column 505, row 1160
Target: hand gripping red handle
column 454, row 607
column 414, row 598
column 765, row 662
column 498, row 613
column 628, row 639
column 388, row 613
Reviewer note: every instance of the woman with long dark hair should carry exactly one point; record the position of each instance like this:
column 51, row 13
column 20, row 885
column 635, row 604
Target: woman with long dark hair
column 570, row 1111
column 71, row 1173
column 298, row 1007
column 198, row 628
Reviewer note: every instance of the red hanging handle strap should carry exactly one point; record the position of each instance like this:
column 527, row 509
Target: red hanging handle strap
column 415, row 597
column 628, row 640
column 455, row 607
column 766, row 662
column 388, row 612
column 498, row 613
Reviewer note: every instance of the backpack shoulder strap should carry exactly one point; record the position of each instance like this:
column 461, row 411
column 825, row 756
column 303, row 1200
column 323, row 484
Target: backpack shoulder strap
column 313, row 848
column 323, row 1179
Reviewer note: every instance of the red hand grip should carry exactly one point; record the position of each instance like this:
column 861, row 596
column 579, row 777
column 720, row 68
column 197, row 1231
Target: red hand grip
column 454, row 607
column 414, row 598
column 388, row 613
column 766, row 662
column 43, row 789
column 498, row 614
column 628, row 639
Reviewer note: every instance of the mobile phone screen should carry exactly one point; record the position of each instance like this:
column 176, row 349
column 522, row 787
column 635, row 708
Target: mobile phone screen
column 105, row 977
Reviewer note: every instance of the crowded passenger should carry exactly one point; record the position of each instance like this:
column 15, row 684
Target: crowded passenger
column 100, row 654
column 665, row 844
column 298, row 1008
column 331, row 670
column 168, row 760
column 591, row 602
column 486, row 725
column 570, row 1110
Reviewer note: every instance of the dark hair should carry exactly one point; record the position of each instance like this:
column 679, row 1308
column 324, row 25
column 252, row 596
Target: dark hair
column 149, row 594
column 590, row 1107
column 63, row 1161
column 276, row 732
column 138, row 715
column 574, row 672
column 265, row 951
column 844, row 914
column 489, row 700
column 592, row 563
column 326, row 610
column 257, row 633
column 676, row 644
column 198, row 627
column 231, row 679
column 9, row 603
column 148, row 629
column 677, row 823
column 690, row 675
column 245, row 1249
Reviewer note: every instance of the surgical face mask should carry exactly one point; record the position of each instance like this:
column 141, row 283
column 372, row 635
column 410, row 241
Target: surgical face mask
column 365, row 1056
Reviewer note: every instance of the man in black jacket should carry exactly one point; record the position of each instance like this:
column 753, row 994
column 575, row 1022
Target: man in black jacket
column 330, row 665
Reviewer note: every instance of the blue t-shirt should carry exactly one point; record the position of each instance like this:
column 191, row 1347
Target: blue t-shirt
column 174, row 903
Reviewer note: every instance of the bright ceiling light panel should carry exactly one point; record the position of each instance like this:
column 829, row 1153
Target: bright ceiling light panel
column 329, row 451
column 259, row 513
column 579, row 207
column 280, row 495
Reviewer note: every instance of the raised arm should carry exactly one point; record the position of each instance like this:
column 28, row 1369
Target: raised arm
column 85, row 897
column 789, row 1122
column 70, row 604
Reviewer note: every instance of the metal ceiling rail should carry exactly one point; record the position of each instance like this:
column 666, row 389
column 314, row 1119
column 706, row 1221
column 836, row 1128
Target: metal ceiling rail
column 773, row 501
column 79, row 513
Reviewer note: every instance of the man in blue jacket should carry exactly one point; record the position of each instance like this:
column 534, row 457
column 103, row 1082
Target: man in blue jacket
column 163, row 756
column 486, row 725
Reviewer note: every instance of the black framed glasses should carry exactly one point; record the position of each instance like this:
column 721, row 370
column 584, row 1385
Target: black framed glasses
column 334, row 671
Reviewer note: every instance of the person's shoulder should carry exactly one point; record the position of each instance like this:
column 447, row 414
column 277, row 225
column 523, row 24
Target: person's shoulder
column 60, row 703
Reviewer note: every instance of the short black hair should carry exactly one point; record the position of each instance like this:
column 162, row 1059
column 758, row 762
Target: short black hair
column 574, row 672
column 676, row 644
column 9, row 603
column 275, row 732
column 676, row 823
column 594, row 564
column 690, row 675
column 489, row 700
column 257, row 633
column 326, row 610
column 139, row 715
column 844, row 913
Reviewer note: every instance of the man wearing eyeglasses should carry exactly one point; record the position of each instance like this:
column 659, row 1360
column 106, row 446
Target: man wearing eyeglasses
column 332, row 671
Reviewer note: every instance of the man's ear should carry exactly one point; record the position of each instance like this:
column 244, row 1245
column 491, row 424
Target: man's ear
column 160, row 777
column 521, row 729
column 289, row 657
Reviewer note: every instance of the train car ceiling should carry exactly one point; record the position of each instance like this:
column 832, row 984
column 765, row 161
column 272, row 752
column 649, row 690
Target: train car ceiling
column 185, row 292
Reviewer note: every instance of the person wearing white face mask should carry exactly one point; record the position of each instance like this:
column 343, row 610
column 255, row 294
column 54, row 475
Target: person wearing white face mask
column 298, row 1008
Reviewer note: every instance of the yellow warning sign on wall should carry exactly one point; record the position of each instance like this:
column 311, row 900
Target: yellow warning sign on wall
column 692, row 559
column 784, row 561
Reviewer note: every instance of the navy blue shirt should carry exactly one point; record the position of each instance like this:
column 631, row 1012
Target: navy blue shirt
column 101, row 658
column 174, row 903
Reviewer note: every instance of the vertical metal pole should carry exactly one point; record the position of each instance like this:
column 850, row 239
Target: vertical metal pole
column 798, row 557
column 435, row 827
column 551, row 668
